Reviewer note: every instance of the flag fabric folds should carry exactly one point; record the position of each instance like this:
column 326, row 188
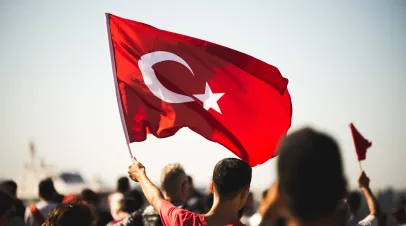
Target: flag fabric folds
column 361, row 144
column 166, row 81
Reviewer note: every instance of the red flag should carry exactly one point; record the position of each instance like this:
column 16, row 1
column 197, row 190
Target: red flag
column 361, row 144
column 166, row 81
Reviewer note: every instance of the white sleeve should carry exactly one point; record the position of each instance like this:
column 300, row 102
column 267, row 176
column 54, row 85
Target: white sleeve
column 370, row 220
column 28, row 218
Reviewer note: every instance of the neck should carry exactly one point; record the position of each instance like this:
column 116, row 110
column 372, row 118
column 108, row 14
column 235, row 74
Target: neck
column 221, row 213
column 331, row 221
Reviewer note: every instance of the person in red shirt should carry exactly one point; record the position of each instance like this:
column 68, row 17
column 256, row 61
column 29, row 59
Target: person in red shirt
column 230, row 186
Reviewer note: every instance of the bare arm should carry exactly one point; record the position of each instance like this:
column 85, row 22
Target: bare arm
column 152, row 193
column 373, row 204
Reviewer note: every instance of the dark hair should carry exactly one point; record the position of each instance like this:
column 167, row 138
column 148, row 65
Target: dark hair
column 189, row 180
column 6, row 202
column 310, row 174
column 71, row 214
column 46, row 189
column 264, row 193
column 231, row 176
column 354, row 201
column 123, row 185
column 10, row 187
column 132, row 201
column 90, row 197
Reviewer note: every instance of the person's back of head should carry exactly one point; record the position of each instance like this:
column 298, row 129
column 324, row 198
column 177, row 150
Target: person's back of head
column 123, row 185
column 231, row 180
column 354, row 202
column 133, row 200
column 310, row 175
column 10, row 187
column 72, row 214
column 90, row 197
column 174, row 182
column 46, row 190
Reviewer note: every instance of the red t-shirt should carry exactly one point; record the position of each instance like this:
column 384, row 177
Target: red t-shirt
column 171, row 215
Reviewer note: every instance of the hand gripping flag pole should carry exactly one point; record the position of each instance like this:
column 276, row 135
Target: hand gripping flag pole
column 120, row 108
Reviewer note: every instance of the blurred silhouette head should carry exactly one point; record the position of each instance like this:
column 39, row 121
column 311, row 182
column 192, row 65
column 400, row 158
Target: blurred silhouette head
column 71, row 214
column 231, row 181
column 47, row 190
column 354, row 202
column 10, row 187
column 174, row 182
column 310, row 175
column 132, row 201
column 90, row 197
column 123, row 185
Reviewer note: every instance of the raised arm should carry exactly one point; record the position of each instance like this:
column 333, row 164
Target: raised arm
column 373, row 204
column 154, row 196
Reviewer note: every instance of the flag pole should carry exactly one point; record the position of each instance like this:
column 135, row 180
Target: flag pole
column 360, row 166
column 120, row 107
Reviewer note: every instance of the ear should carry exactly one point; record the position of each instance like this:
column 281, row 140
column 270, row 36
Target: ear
column 211, row 186
column 185, row 188
column 245, row 193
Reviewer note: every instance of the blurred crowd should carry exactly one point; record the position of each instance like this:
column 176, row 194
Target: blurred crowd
column 311, row 189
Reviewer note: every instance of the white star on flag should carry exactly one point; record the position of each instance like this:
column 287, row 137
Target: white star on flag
column 209, row 99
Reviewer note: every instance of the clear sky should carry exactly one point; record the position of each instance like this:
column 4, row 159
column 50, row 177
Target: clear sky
column 346, row 61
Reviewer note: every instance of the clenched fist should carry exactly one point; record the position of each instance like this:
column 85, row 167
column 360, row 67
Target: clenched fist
column 136, row 170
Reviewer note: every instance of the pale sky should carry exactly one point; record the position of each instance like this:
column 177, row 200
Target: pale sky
column 346, row 61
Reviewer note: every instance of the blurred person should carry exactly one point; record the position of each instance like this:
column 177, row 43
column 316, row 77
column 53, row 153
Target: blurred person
column 175, row 188
column 8, row 216
column 400, row 216
column 256, row 218
column 310, row 181
column 6, row 207
column 36, row 214
column 248, row 210
column 230, row 186
column 71, row 214
column 354, row 204
column 11, row 188
column 312, row 196
column 123, row 186
column 195, row 199
column 91, row 198
column 130, row 212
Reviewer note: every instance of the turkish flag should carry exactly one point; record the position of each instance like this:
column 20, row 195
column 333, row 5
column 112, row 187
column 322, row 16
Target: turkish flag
column 166, row 81
column 361, row 144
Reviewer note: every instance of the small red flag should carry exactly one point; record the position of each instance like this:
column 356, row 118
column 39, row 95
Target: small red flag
column 166, row 81
column 361, row 144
